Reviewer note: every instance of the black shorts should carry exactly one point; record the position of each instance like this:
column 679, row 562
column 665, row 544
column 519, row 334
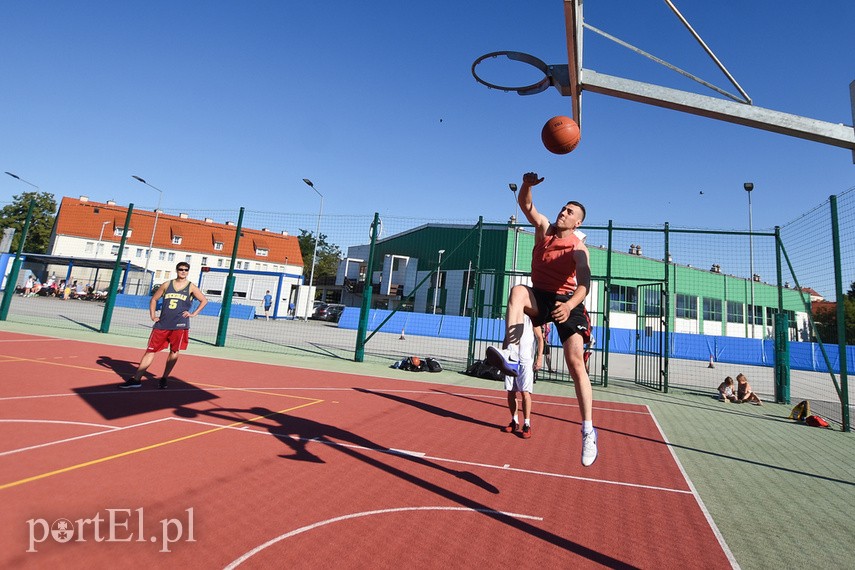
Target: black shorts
column 577, row 323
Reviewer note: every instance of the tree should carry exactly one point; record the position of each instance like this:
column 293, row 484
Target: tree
column 44, row 213
column 329, row 255
column 825, row 316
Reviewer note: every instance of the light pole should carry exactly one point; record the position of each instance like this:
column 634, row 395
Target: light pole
column 749, row 186
column 317, row 239
column 22, row 180
column 436, row 290
column 513, row 188
column 100, row 237
column 153, row 228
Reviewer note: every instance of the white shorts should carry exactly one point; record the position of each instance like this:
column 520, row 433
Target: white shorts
column 522, row 383
column 525, row 381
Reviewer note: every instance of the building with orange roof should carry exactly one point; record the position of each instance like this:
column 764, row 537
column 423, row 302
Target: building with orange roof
column 93, row 230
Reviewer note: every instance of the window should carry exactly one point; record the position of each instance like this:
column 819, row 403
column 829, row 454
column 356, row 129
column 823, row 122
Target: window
column 161, row 256
column 171, row 256
column 623, row 299
column 176, row 240
column 260, row 252
column 220, row 262
column 757, row 313
column 188, row 258
column 734, row 312
column 239, row 265
column 652, row 302
column 712, row 309
column 218, row 246
column 204, row 261
column 139, row 252
column 687, row 307
column 114, row 250
column 120, row 231
column 90, row 245
column 264, row 267
column 158, row 274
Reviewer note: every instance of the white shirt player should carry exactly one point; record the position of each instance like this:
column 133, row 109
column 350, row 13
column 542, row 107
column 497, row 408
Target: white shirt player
column 527, row 350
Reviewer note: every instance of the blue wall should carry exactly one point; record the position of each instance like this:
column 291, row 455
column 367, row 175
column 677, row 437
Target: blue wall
column 212, row 309
column 746, row 351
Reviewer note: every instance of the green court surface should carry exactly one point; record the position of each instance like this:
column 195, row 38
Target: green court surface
column 780, row 493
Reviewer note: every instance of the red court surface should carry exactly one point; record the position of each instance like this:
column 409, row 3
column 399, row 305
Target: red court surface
column 249, row 465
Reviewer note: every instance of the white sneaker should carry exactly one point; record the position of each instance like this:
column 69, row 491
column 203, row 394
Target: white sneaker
column 503, row 360
column 589, row 448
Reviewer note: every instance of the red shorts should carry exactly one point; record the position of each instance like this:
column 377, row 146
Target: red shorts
column 175, row 339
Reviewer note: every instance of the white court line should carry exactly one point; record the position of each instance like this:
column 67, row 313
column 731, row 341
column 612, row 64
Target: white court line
column 111, row 430
column 105, row 426
column 423, row 455
column 31, row 340
column 710, row 521
column 240, row 560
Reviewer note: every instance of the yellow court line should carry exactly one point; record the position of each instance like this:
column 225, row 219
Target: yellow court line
column 146, row 448
column 252, row 390
column 19, row 359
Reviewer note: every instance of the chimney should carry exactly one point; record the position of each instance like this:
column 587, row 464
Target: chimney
column 230, row 223
column 632, row 249
column 284, row 233
column 209, row 221
column 84, row 198
column 183, row 216
column 111, row 202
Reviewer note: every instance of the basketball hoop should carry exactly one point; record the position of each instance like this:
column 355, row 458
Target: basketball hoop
column 552, row 73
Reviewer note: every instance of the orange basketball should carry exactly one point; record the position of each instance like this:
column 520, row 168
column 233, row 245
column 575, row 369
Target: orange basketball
column 560, row 135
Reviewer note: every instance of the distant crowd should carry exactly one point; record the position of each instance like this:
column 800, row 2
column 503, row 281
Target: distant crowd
column 33, row 287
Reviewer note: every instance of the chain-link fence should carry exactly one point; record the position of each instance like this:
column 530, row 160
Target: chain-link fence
column 669, row 306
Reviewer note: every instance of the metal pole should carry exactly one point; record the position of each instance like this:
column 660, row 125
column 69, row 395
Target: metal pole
column 107, row 315
column 748, row 188
column 436, row 289
column 229, row 289
column 841, row 316
column 367, row 293
column 315, row 251
column 153, row 228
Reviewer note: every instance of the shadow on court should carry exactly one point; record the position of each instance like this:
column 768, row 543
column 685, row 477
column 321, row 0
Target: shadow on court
column 297, row 433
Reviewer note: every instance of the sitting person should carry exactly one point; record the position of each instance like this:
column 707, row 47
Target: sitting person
column 725, row 391
column 744, row 393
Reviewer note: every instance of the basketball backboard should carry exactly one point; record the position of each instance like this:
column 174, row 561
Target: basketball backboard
column 572, row 79
column 573, row 23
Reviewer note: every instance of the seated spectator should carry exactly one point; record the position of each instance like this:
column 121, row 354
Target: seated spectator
column 725, row 391
column 744, row 393
column 28, row 286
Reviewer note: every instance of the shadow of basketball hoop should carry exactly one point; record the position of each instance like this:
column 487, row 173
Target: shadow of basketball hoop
column 112, row 403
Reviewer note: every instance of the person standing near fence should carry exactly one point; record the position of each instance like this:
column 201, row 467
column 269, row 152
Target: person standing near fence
column 172, row 327
column 268, row 301
column 531, row 360
column 561, row 278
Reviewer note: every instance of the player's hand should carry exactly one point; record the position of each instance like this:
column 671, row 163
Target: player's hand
column 186, row 314
column 531, row 179
column 155, row 319
column 561, row 312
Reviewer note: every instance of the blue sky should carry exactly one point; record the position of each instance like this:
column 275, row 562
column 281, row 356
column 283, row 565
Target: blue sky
column 233, row 103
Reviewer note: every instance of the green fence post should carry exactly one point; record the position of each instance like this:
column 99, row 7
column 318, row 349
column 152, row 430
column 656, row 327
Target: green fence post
column 782, row 334
column 667, row 311
column 782, row 359
column 841, row 315
column 607, row 337
column 367, row 294
column 12, row 280
column 476, row 294
column 110, row 302
column 228, row 291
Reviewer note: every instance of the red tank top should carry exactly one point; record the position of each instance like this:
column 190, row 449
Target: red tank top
column 553, row 267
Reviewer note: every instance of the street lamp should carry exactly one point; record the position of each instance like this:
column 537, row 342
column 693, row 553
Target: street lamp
column 22, row 180
column 436, row 290
column 516, row 219
column 749, row 186
column 100, row 237
column 317, row 239
column 154, row 227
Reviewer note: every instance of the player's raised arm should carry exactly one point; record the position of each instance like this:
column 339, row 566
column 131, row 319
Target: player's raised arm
column 535, row 218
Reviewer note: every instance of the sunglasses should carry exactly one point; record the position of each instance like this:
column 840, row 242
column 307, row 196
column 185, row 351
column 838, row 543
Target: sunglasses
column 183, row 269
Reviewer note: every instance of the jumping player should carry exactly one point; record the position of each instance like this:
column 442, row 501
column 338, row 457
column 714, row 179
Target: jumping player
column 561, row 278
column 172, row 327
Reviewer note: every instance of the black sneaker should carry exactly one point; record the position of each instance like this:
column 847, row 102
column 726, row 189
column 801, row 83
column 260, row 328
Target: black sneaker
column 526, row 433
column 130, row 384
column 511, row 427
column 162, row 384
